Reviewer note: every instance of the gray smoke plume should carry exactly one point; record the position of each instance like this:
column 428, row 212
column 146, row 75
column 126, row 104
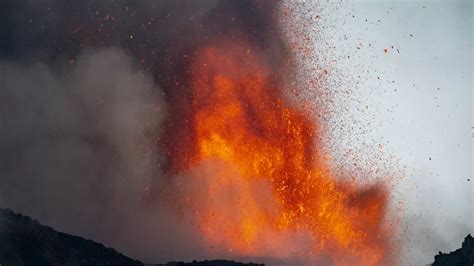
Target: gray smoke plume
column 78, row 151
column 81, row 124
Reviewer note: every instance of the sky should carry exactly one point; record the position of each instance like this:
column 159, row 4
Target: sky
column 419, row 98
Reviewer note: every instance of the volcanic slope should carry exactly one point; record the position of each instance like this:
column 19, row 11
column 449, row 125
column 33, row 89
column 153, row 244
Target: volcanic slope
column 25, row 242
column 460, row 257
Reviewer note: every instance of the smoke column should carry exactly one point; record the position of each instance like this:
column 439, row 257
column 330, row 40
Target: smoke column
column 84, row 92
column 95, row 113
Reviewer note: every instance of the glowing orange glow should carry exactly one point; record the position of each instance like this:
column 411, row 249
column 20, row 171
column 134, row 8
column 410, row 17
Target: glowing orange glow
column 273, row 182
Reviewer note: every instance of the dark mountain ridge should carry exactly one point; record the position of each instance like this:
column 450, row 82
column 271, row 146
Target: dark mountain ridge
column 25, row 242
column 460, row 257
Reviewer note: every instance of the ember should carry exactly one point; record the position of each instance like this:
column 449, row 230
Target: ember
column 273, row 184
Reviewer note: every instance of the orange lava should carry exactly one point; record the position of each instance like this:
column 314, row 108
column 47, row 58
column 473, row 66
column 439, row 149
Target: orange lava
column 274, row 186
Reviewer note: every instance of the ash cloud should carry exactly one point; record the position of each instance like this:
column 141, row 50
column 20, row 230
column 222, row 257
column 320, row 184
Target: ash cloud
column 78, row 149
column 87, row 89
column 162, row 35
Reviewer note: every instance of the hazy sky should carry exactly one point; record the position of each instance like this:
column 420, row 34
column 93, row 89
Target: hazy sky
column 419, row 95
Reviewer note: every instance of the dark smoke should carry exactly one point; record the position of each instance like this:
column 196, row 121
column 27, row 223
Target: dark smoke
column 91, row 100
column 161, row 35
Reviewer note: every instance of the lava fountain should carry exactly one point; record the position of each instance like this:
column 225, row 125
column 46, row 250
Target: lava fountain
column 272, row 189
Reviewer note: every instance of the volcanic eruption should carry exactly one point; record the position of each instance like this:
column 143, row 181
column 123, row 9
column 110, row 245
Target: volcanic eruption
column 239, row 118
column 251, row 168
column 246, row 165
